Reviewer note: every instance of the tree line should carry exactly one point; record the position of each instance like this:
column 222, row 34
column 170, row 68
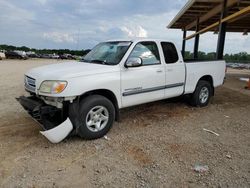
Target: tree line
column 242, row 57
column 44, row 51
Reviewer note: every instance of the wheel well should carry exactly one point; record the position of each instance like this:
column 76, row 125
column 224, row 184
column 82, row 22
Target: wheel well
column 106, row 93
column 209, row 79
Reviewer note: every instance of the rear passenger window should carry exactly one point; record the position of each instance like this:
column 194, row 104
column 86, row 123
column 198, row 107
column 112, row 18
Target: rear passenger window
column 170, row 53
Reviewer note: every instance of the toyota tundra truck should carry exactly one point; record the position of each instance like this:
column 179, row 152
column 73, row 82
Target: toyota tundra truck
column 84, row 98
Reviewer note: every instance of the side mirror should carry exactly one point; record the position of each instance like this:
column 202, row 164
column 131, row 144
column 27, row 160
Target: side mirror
column 133, row 62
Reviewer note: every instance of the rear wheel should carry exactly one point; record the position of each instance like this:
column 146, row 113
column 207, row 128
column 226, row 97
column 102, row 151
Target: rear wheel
column 97, row 115
column 202, row 94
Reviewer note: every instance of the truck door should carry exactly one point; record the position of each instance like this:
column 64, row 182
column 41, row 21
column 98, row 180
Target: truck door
column 175, row 70
column 144, row 83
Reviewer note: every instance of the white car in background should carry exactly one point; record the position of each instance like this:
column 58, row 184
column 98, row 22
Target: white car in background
column 2, row 55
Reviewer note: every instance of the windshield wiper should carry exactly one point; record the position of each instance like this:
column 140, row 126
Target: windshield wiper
column 101, row 62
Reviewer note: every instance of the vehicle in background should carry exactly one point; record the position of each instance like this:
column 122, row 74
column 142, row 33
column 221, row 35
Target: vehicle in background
column 45, row 56
column 2, row 55
column 21, row 53
column 49, row 56
column 84, row 98
column 239, row 65
column 54, row 56
column 76, row 57
column 16, row 55
column 32, row 54
column 67, row 56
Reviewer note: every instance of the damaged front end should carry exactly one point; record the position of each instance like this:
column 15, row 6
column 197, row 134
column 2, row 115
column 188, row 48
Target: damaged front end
column 53, row 120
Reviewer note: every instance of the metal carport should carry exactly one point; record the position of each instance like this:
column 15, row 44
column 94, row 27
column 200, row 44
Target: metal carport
column 219, row 16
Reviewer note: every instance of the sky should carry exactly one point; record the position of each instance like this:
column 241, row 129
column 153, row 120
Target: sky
column 81, row 24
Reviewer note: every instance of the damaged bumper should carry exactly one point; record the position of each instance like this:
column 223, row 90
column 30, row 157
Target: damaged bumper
column 58, row 133
column 51, row 119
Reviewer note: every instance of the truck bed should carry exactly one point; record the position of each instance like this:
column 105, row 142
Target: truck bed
column 197, row 69
column 199, row 60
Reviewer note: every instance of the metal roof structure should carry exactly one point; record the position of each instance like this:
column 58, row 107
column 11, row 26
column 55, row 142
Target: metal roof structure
column 212, row 15
column 209, row 12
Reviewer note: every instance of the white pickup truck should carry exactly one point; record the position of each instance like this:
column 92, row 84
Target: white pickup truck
column 84, row 98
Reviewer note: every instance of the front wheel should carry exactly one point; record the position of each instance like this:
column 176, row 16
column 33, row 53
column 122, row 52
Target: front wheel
column 97, row 115
column 202, row 94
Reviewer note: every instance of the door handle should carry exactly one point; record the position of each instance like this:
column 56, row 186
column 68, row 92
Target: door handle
column 169, row 70
column 159, row 71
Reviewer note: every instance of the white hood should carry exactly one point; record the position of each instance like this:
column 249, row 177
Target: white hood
column 69, row 70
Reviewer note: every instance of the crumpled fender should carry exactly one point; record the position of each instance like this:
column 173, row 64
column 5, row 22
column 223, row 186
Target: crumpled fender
column 58, row 133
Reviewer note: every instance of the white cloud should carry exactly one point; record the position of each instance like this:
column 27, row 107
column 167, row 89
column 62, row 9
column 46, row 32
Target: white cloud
column 127, row 31
column 142, row 32
column 138, row 31
column 59, row 37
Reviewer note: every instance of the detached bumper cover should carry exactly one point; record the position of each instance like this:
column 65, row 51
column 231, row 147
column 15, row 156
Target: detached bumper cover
column 58, row 133
column 55, row 127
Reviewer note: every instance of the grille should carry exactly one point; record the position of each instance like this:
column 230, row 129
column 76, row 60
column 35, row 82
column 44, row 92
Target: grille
column 30, row 84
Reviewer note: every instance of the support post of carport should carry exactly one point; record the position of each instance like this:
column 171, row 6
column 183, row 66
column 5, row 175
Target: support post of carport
column 222, row 32
column 184, row 43
column 196, row 41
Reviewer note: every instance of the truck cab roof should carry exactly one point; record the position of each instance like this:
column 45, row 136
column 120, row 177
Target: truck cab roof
column 139, row 40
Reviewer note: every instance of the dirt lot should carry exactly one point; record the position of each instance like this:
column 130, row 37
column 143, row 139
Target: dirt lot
column 154, row 145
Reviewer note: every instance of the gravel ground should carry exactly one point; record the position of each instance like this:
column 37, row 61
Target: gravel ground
column 154, row 145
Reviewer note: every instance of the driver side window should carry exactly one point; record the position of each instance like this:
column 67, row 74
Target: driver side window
column 148, row 52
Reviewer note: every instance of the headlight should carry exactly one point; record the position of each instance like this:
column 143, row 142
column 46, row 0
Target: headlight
column 52, row 87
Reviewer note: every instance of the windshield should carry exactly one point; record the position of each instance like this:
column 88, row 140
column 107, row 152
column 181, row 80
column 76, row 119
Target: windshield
column 109, row 53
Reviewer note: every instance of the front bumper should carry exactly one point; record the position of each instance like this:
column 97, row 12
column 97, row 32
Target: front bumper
column 56, row 127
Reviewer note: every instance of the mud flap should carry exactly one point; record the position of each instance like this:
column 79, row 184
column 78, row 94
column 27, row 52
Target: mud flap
column 58, row 133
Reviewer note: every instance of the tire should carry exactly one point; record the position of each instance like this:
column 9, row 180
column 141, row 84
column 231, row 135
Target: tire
column 202, row 94
column 97, row 115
